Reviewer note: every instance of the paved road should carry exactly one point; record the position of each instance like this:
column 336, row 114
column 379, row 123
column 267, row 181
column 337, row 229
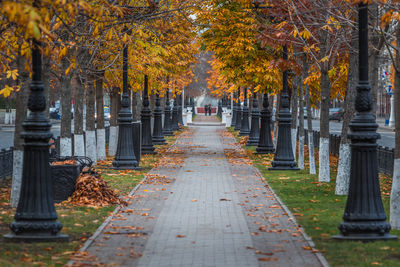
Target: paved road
column 387, row 136
column 215, row 211
column 7, row 135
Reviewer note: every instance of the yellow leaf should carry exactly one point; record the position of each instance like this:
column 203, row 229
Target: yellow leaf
column 63, row 52
column 109, row 35
column 6, row 91
column 326, row 58
column 13, row 74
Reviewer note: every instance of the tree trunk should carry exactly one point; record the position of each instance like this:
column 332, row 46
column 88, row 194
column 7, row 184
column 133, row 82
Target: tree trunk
column 343, row 174
column 90, row 133
column 295, row 101
column 324, row 172
column 101, row 132
column 65, row 132
column 301, row 124
column 20, row 114
column 79, row 142
column 395, row 194
column 114, row 109
column 311, row 151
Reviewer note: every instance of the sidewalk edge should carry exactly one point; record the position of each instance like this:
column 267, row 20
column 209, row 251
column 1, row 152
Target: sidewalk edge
column 319, row 255
column 91, row 239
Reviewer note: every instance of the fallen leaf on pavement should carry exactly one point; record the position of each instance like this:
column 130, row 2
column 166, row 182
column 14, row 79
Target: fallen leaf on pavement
column 268, row 259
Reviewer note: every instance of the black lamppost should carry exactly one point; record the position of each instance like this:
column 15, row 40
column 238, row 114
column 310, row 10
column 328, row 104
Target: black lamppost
column 125, row 155
column 364, row 216
column 284, row 159
column 175, row 115
column 167, row 117
column 265, row 144
column 254, row 136
column 238, row 113
column 158, row 136
column 244, row 127
column 147, row 143
column 180, row 104
column 36, row 218
column 219, row 111
column 234, row 112
column 192, row 105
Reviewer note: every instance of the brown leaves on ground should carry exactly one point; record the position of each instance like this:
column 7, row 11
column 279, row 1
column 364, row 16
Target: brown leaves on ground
column 92, row 191
column 156, row 179
column 237, row 157
column 170, row 161
column 64, row 162
column 244, row 140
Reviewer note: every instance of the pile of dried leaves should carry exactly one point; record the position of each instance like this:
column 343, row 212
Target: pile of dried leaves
column 92, row 190
column 64, row 162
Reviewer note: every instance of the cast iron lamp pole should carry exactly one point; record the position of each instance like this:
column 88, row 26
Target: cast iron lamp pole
column 364, row 216
column 284, row 159
column 234, row 112
column 175, row 115
column 125, row 155
column 192, row 105
column 36, row 218
column 238, row 113
column 167, row 117
column 180, row 104
column 244, row 127
column 254, row 136
column 147, row 143
column 219, row 111
column 158, row 136
column 265, row 144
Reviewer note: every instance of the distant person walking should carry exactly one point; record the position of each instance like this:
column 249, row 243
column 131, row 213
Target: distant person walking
column 205, row 110
column 209, row 109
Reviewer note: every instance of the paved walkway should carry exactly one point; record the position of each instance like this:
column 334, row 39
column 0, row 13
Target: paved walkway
column 208, row 207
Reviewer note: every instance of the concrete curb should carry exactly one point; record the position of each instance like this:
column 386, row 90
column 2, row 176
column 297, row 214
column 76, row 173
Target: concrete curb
column 91, row 239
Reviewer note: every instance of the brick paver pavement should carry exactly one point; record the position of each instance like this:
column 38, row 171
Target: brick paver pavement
column 216, row 211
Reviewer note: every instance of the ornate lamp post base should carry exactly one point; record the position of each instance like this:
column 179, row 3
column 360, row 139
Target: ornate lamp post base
column 284, row 159
column 244, row 123
column 147, row 142
column 148, row 150
column 265, row 145
column 158, row 136
column 255, row 124
column 37, row 237
column 252, row 142
column 167, row 131
column 282, row 166
column 265, row 150
column 238, row 118
column 362, row 231
column 159, row 141
column 125, row 165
